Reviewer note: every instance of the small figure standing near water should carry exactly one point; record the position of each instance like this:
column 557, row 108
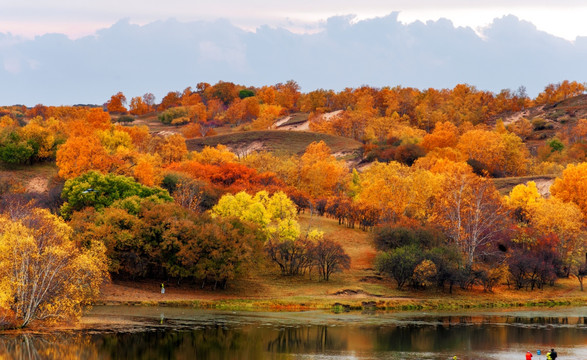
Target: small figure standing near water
column 551, row 355
column 162, row 288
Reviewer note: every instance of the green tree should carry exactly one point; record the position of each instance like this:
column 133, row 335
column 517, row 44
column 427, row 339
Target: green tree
column 399, row 263
column 94, row 189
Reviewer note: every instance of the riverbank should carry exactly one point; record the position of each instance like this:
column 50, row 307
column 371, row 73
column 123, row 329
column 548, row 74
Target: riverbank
column 333, row 297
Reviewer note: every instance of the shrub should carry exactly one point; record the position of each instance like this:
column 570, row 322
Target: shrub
column 126, row 119
column 169, row 115
column 399, row 263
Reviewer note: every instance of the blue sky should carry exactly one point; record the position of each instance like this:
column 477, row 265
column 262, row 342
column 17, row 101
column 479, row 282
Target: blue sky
column 82, row 51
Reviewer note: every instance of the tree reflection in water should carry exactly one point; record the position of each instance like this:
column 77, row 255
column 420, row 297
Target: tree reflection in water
column 41, row 347
column 255, row 337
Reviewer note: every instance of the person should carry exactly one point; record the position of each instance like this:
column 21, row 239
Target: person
column 528, row 355
column 549, row 355
column 162, row 288
column 553, row 354
column 454, row 357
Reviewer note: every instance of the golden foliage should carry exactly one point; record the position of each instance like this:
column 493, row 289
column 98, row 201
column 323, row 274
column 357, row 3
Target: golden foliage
column 43, row 274
column 82, row 154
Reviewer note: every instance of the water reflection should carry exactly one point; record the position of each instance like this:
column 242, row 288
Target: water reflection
column 188, row 334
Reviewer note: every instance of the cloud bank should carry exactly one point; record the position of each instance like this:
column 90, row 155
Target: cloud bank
column 170, row 55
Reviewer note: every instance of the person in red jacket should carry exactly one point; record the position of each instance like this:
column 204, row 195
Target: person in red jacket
column 528, row 355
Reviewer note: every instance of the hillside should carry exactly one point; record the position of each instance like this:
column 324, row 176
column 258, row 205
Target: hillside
column 278, row 141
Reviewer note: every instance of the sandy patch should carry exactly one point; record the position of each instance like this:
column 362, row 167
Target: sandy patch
column 280, row 122
column 37, row 184
column 244, row 150
column 543, row 186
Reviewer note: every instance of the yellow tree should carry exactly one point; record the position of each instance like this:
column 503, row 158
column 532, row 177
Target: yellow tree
column 572, row 186
column 320, row 173
column 470, row 211
column 214, row 155
column 43, row 274
column 399, row 191
column 172, row 148
column 565, row 220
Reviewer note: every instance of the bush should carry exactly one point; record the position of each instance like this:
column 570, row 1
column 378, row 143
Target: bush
column 180, row 121
column 245, row 93
column 399, row 263
column 388, row 238
column 541, row 124
column 556, row 145
column 126, row 119
column 409, row 153
column 425, row 274
column 169, row 115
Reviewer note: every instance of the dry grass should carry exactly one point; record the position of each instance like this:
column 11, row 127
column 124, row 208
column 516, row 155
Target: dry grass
column 505, row 185
column 295, row 119
column 277, row 141
column 31, row 178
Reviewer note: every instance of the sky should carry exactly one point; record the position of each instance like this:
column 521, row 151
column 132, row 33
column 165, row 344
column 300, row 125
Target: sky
column 51, row 51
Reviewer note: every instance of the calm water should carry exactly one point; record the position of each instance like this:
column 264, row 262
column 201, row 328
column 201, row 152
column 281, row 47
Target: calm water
column 177, row 333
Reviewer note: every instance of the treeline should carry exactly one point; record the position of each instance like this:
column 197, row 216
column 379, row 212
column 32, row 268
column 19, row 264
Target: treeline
column 131, row 204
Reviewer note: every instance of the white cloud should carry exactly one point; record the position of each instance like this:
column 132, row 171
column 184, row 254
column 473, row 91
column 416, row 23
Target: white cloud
column 81, row 17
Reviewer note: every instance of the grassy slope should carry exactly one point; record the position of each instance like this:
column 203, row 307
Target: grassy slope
column 505, row 185
column 295, row 119
column 265, row 289
column 281, row 142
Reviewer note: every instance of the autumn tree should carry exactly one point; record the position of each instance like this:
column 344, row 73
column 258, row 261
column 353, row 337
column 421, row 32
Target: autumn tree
column 172, row 99
column 565, row 221
column 399, row 191
column 445, row 134
column 558, row 92
column 44, row 275
column 275, row 214
column 116, row 104
column 81, row 154
column 138, row 106
column 171, row 148
column 320, row 173
column 471, row 213
column 522, row 200
column 572, row 186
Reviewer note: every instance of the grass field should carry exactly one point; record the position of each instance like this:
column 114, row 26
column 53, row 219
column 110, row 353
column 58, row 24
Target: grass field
column 277, row 141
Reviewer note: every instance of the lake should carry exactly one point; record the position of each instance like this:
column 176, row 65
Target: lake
column 122, row 332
